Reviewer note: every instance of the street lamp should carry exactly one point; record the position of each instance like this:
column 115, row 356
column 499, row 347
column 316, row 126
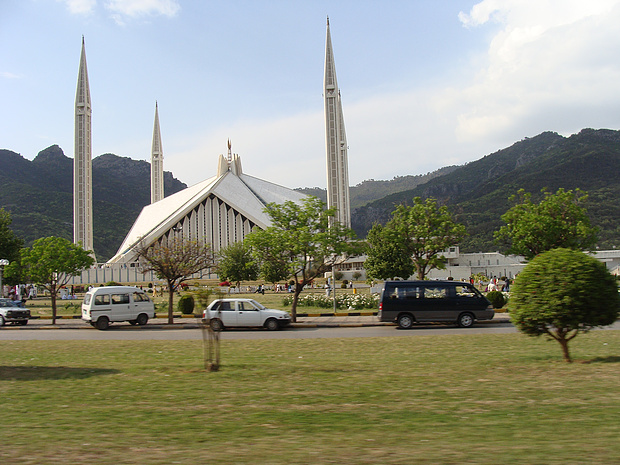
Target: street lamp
column 3, row 262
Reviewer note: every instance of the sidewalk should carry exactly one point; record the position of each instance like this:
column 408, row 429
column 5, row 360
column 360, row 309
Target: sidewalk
column 190, row 322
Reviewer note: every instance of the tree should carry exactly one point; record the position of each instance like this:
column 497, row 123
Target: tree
column 52, row 262
column 10, row 244
column 419, row 232
column 302, row 241
column 235, row 263
column 387, row 259
column 561, row 293
column 559, row 220
column 175, row 260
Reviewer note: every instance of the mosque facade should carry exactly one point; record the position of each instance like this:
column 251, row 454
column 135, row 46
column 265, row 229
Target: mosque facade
column 220, row 210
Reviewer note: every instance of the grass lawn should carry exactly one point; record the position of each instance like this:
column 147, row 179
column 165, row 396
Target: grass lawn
column 484, row 399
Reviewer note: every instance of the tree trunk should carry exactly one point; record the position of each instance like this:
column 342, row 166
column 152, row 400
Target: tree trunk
column 170, row 303
column 53, row 295
column 564, row 343
column 294, row 305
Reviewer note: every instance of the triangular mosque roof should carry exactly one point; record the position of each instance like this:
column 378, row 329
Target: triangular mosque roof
column 246, row 194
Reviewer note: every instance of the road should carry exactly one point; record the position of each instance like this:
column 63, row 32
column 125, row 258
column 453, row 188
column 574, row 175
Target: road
column 157, row 332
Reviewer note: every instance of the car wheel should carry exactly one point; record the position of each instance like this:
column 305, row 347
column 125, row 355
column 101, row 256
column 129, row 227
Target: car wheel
column 216, row 325
column 405, row 321
column 103, row 323
column 23, row 323
column 272, row 324
column 465, row 320
column 1, row 320
column 142, row 319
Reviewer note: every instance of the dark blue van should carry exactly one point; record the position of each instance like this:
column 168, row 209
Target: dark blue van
column 409, row 302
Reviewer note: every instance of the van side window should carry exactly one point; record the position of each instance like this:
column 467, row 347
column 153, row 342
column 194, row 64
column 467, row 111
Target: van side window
column 465, row 291
column 405, row 293
column 435, row 293
column 140, row 297
column 102, row 299
column 120, row 298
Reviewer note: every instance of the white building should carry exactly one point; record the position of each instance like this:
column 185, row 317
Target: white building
column 219, row 211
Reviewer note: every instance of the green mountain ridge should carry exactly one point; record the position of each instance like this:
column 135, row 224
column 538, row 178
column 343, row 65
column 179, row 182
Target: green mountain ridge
column 39, row 193
column 478, row 192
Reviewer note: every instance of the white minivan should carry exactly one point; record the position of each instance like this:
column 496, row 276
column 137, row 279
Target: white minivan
column 104, row 305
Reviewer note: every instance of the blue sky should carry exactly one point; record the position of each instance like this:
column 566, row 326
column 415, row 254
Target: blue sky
column 425, row 83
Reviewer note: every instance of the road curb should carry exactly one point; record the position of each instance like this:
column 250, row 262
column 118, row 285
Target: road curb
column 188, row 325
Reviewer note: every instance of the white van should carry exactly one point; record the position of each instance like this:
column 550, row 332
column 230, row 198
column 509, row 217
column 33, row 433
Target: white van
column 104, row 305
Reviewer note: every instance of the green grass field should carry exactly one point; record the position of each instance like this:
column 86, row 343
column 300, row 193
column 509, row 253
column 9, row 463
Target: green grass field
column 483, row 399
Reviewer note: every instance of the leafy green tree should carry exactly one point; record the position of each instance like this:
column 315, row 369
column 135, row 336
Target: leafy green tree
column 419, row 232
column 561, row 293
column 302, row 240
column 10, row 244
column 558, row 220
column 274, row 271
column 175, row 260
column 235, row 263
column 387, row 258
column 51, row 262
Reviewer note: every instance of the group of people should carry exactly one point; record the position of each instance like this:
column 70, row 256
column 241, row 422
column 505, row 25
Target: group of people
column 20, row 292
column 494, row 285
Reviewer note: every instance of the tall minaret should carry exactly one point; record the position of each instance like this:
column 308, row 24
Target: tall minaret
column 157, row 163
column 82, row 168
column 335, row 141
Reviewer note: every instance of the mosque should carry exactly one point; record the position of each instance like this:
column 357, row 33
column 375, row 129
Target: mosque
column 220, row 210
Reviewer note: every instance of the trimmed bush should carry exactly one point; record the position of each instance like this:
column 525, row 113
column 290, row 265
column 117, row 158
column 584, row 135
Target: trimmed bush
column 561, row 293
column 186, row 304
column 496, row 298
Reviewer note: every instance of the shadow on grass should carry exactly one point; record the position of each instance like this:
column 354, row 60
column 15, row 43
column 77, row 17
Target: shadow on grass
column 32, row 373
column 610, row 359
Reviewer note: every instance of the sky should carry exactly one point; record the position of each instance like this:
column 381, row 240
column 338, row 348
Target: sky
column 424, row 83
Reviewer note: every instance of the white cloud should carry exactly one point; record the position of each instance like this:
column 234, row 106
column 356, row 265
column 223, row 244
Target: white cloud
column 8, row 75
column 548, row 55
column 80, row 7
column 136, row 8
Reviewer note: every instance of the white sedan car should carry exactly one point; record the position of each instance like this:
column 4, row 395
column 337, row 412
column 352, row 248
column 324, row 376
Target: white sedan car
column 228, row 313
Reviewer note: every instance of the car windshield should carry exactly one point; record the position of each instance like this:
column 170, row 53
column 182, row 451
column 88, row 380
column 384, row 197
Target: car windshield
column 9, row 303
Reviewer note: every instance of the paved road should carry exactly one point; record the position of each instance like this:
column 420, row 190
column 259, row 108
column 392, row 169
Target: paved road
column 189, row 330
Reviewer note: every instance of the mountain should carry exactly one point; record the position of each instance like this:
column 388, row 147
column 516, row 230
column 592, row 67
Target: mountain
column 478, row 192
column 370, row 190
column 39, row 195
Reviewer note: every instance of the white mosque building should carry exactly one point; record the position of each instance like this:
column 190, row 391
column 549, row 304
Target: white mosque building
column 220, row 210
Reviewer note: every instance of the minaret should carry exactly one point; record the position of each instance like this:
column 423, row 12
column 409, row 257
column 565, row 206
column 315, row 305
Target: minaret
column 335, row 141
column 157, row 162
column 82, row 167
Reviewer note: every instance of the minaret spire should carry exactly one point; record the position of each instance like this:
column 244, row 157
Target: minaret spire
column 157, row 162
column 82, row 160
column 335, row 140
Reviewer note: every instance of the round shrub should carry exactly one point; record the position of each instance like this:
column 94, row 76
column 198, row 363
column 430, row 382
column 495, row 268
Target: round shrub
column 186, row 304
column 561, row 293
column 497, row 299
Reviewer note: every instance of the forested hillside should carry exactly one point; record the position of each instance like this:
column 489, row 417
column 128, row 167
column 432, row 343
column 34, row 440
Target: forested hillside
column 39, row 195
column 478, row 193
